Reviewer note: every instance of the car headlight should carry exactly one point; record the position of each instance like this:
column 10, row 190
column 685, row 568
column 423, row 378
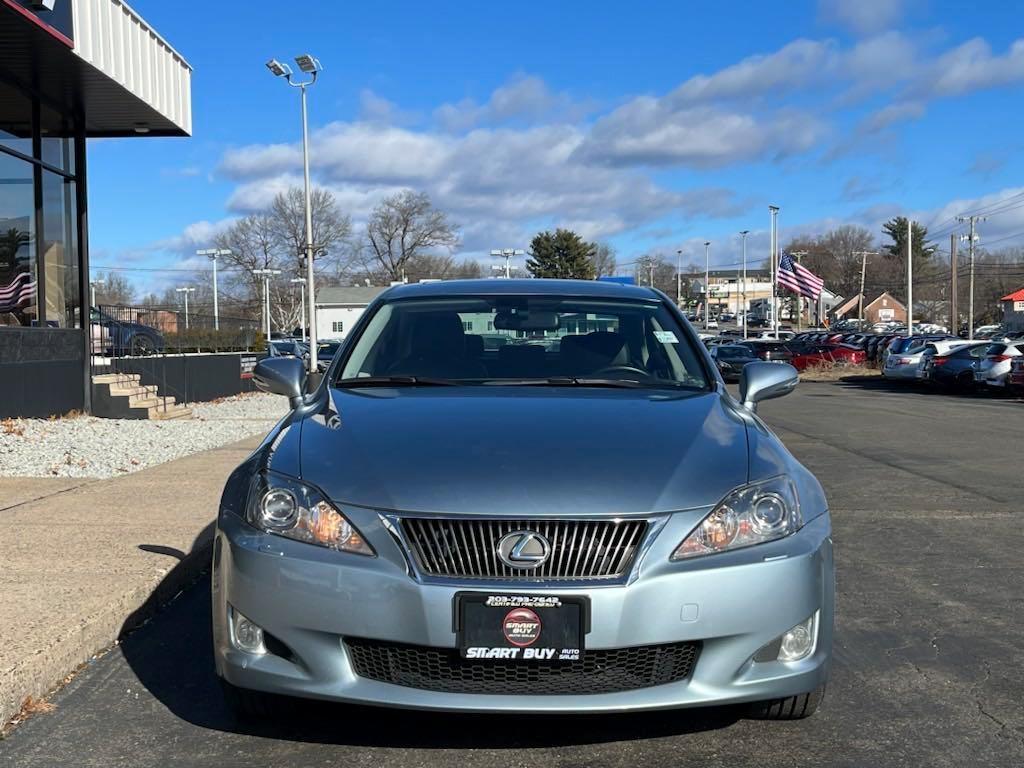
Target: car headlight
column 286, row 507
column 750, row 515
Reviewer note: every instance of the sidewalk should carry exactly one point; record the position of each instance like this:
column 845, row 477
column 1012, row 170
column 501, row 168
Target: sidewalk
column 82, row 556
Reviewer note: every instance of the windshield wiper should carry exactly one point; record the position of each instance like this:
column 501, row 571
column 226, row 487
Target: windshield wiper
column 567, row 381
column 395, row 381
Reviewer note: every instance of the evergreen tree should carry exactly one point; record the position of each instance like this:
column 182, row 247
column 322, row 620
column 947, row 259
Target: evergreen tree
column 896, row 230
column 561, row 254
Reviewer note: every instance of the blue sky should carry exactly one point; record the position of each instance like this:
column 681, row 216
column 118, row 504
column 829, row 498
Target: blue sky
column 652, row 126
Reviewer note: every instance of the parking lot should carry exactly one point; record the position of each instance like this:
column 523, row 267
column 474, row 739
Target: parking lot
column 928, row 659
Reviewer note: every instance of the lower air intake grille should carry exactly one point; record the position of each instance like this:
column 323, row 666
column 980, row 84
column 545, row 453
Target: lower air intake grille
column 444, row 670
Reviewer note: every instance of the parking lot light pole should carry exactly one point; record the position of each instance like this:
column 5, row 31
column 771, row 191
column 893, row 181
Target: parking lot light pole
column 679, row 277
column 213, row 253
column 92, row 291
column 185, row 291
column 266, row 274
column 744, row 234
column 311, row 66
column 302, row 304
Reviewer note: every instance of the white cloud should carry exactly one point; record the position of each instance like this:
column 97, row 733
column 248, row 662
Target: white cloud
column 898, row 112
column 524, row 98
column 794, row 65
column 648, row 131
column 971, row 67
column 862, row 16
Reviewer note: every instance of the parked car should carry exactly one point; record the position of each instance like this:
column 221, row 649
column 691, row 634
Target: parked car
column 954, row 367
column 1017, row 374
column 288, row 348
column 901, row 357
column 730, row 359
column 903, row 365
column 822, row 354
column 325, row 352
column 118, row 338
column 994, row 368
column 769, row 351
column 545, row 533
column 727, row 317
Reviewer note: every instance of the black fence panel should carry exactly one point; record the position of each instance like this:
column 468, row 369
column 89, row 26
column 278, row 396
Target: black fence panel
column 138, row 331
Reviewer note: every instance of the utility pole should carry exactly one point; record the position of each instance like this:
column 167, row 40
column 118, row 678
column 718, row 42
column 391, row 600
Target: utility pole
column 185, row 291
column 971, row 239
column 744, row 234
column 863, row 272
column 707, row 281
column 774, row 246
column 954, row 315
column 679, row 276
column 302, row 305
column 910, row 278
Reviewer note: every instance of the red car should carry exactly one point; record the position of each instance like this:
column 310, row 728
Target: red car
column 820, row 354
column 1016, row 379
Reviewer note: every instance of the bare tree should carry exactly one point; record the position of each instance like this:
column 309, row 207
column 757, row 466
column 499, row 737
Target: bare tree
column 115, row 289
column 468, row 270
column 604, row 260
column 332, row 230
column 404, row 227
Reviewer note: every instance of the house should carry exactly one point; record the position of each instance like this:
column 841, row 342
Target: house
column 1013, row 311
column 338, row 309
column 848, row 306
column 885, row 309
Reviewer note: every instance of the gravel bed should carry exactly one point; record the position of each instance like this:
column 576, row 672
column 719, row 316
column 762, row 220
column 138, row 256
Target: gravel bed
column 86, row 446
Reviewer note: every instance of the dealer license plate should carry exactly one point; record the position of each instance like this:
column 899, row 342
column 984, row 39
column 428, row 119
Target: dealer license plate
column 532, row 628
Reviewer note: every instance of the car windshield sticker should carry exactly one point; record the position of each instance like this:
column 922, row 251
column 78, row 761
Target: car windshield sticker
column 666, row 337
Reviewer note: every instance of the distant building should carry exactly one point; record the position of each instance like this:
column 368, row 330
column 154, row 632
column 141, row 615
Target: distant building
column 338, row 309
column 1013, row 311
column 885, row 309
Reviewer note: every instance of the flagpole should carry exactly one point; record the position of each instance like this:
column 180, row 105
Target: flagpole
column 774, row 247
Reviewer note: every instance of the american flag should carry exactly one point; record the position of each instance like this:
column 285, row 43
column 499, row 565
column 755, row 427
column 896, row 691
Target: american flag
column 20, row 290
column 798, row 279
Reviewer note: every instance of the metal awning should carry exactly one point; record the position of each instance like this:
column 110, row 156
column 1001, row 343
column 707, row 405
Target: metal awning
column 116, row 73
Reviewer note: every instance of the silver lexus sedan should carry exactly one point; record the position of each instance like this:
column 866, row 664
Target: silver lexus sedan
column 577, row 517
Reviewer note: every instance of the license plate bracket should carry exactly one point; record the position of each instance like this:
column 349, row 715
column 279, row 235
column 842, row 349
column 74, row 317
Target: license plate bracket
column 521, row 628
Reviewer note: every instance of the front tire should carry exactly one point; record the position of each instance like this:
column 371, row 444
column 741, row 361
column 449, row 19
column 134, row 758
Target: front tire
column 790, row 708
column 142, row 346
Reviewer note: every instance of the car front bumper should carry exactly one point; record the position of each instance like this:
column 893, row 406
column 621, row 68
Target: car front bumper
column 311, row 599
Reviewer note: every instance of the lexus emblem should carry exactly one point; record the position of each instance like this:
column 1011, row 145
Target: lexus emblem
column 523, row 549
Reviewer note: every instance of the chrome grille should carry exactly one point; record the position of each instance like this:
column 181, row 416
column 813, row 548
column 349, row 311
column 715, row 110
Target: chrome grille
column 468, row 548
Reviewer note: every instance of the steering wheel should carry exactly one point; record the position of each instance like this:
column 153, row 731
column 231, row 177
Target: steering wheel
column 623, row 369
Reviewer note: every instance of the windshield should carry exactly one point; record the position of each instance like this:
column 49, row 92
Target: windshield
column 526, row 339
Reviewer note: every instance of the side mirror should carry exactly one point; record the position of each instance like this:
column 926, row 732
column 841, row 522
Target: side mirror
column 281, row 376
column 765, row 381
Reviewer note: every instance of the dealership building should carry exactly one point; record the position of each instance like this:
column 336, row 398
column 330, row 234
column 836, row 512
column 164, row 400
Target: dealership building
column 70, row 70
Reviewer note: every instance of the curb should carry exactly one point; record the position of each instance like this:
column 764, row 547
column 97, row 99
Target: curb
column 49, row 669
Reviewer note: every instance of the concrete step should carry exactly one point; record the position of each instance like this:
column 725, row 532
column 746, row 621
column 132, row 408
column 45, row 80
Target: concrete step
column 172, row 412
column 116, row 378
column 129, row 391
column 149, row 401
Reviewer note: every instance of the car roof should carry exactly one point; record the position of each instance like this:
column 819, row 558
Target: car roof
column 498, row 287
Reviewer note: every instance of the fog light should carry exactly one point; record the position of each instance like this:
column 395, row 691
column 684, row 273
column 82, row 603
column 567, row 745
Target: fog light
column 246, row 635
column 799, row 642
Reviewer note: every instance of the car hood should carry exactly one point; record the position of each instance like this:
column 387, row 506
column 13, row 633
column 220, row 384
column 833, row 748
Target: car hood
column 518, row 450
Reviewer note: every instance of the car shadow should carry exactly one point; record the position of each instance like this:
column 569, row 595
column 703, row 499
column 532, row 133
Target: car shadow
column 167, row 644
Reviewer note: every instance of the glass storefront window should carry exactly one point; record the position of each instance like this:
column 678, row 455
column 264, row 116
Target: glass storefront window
column 15, row 119
column 18, row 284
column 57, row 148
column 59, row 248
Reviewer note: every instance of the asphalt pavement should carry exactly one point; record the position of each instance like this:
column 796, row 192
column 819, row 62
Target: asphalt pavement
column 929, row 656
